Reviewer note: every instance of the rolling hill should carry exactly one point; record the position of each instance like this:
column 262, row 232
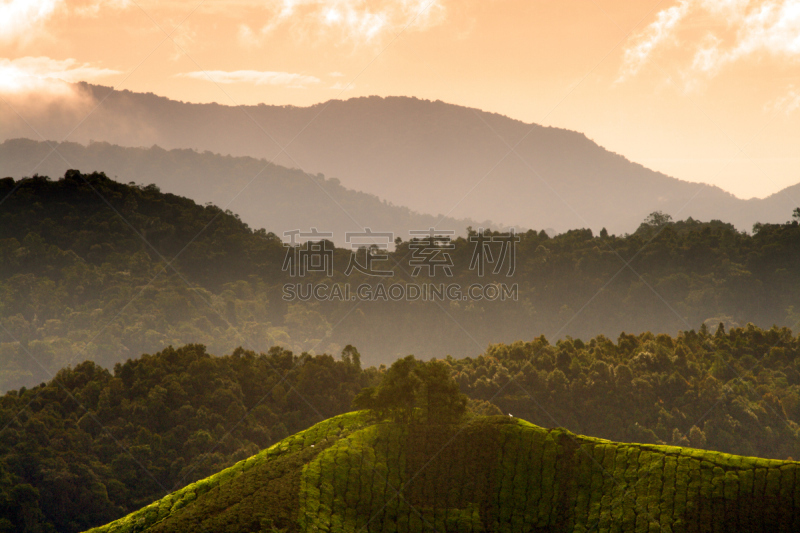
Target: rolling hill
column 92, row 445
column 432, row 157
column 491, row 474
column 264, row 195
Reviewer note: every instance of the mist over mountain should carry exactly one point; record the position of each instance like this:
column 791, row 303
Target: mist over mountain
column 263, row 194
column 430, row 156
column 91, row 268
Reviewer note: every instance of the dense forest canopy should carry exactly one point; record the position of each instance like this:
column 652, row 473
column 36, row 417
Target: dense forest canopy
column 95, row 269
column 91, row 445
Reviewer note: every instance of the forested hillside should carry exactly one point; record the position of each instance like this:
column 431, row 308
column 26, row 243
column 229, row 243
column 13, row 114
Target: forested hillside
column 94, row 269
column 492, row 474
column 115, row 441
column 264, row 195
column 92, row 445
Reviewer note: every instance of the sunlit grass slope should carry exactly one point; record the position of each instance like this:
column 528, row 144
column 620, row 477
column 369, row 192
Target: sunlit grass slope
column 492, row 474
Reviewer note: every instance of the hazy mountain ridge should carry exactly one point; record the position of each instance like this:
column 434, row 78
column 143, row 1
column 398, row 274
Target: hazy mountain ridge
column 430, row 156
column 263, row 194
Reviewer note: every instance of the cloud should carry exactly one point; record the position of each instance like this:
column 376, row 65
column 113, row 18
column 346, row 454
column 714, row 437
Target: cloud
column 339, row 86
column 741, row 30
column 788, row 104
column 19, row 17
column 184, row 38
column 257, row 77
column 92, row 8
column 356, row 21
column 24, row 20
column 42, row 97
column 43, row 74
column 655, row 35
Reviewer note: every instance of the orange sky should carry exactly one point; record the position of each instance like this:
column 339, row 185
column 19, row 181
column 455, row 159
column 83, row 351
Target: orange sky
column 703, row 90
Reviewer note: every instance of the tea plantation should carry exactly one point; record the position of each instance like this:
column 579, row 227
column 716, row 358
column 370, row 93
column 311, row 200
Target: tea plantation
column 490, row 474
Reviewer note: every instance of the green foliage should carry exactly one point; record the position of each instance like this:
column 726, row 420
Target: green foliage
column 489, row 474
column 171, row 410
column 410, row 387
column 77, row 282
column 259, row 493
column 155, row 424
column 652, row 389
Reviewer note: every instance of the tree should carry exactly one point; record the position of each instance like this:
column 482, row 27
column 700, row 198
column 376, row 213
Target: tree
column 657, row 219
column 395, row 397
column 442, row 401
column 413, row 390
column 351, row 356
